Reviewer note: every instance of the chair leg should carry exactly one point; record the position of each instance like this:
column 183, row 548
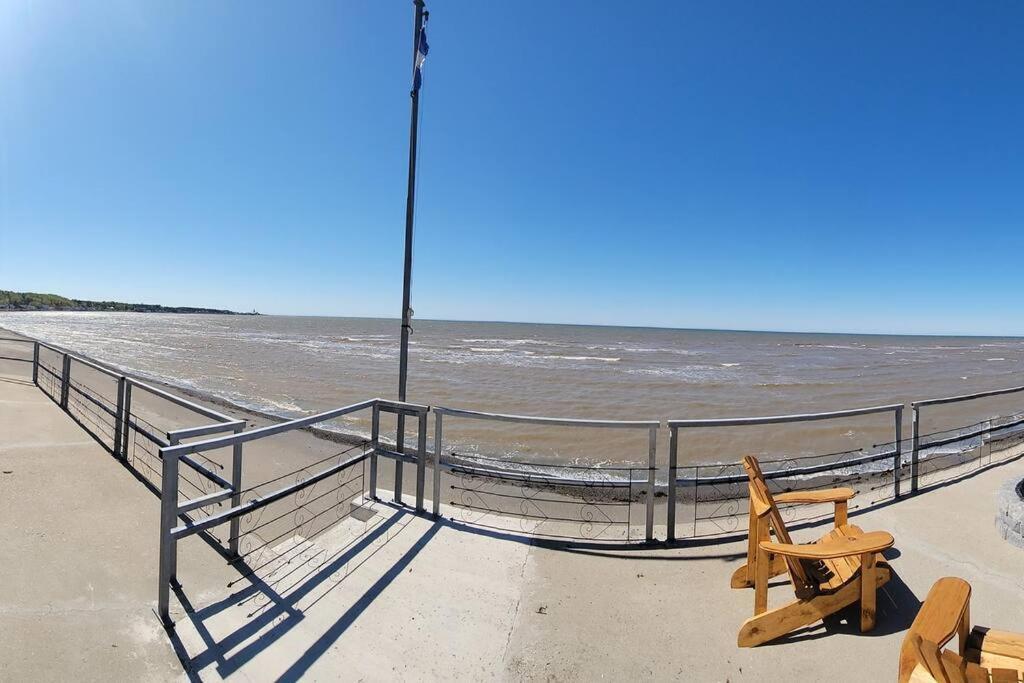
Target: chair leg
column 867, row 592
column 775, row 623
column 761, row 582
column 744, row 576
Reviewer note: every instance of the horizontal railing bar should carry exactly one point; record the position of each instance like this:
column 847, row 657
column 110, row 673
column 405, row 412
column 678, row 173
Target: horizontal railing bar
column 163, row 443
column 12, row 339
column 967, row 397
column 253, row 434
column 786, row 474
column 18, row 360
column 100, row 404
column 203, row 501
column 971, row 434
column 401, row 406
column 209, row 474
column 52, row 348
column 256, row 503
column 190, row 432
column 46, row 367
column 395, row 455
column 540, row 479
column 554, row 421
column 177, row 400
column 777, row 419
column 95, row 366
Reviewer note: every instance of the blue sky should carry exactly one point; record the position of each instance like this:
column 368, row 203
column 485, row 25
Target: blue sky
column 798, row 166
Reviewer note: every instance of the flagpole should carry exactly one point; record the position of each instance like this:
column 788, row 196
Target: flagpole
column 410, row 205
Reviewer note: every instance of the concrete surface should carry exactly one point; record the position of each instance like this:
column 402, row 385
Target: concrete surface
column 399, row 596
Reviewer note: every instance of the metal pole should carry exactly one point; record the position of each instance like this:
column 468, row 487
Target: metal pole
column 236, row 497
column 673, row 448
column 168, row 546
column 119, row 418
column 127, row 419
column 915, row 445
column 400, row 447
column 438, row 445
column 652, row 456
column 421, row 461
column 897, row 458
column 64, row 382
column 375, row 444
column 35, row 363
column 410, row 208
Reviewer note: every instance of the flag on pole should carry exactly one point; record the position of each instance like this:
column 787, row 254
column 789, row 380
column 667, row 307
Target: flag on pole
column 421, row 56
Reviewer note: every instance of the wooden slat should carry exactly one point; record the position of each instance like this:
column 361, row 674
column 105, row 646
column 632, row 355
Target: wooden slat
column 1005, row 676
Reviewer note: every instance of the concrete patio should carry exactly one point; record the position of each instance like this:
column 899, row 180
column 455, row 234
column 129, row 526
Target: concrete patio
column 403, row 596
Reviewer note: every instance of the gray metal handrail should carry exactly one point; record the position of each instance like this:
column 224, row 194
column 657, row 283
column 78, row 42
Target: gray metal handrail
column 651, row 426
column 675, row 425
column 171, row 510
column 780, row 419
column 553, row 421
column 967, row 397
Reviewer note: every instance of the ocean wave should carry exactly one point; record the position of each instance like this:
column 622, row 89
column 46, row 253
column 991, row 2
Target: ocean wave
column 599, row 358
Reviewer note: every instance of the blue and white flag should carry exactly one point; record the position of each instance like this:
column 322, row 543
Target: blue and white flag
column 421, row 56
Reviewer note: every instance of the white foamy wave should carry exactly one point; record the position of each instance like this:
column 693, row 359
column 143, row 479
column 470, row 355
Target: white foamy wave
column 729, row 365
column 995, row 359
column 598, row 358
column 481, row 349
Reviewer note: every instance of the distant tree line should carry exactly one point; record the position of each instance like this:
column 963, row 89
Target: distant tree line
column 33, row 301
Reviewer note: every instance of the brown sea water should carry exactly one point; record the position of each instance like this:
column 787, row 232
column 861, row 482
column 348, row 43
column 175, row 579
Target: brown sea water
column 299, row 365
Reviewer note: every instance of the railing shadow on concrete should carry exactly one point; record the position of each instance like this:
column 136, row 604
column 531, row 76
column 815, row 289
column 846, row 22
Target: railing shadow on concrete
column 231, row 631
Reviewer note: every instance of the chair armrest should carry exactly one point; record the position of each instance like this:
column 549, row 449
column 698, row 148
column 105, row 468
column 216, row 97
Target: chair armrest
column 822, row 496
column 871, row 542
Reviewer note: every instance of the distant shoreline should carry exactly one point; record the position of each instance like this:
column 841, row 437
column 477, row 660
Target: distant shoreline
column 36, row 302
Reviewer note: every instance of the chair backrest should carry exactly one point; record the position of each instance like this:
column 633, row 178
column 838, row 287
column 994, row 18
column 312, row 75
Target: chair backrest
column 765, row 508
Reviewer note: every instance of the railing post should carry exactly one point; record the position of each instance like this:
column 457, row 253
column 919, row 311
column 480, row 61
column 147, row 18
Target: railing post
column 897, row 458
column 236, row 497
column 986, row 442
column 399, row 447
column 119, row 418
column 375, row 444
column 127, row 418
column 652, row 458
column 421, row 460
column 915, row 445
column 168, row 546
column 673, row 453
column 65, row 381
column 35, row 363
column 438, row 448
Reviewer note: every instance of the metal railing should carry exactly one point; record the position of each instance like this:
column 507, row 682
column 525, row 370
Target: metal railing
column 985, row 432
column 739, row 478
column 106, row 413
column 173, row 510
column 489, row 485
column 541, row 496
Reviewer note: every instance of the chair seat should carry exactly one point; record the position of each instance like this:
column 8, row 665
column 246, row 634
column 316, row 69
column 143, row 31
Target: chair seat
column 841, row 570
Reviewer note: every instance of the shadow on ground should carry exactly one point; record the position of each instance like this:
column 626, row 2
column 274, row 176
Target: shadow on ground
column 228, row 633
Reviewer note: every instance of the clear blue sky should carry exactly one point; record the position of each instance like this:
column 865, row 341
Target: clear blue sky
column 832, row 166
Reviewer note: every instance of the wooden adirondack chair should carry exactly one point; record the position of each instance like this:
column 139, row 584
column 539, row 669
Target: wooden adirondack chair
column 984, row 655
column 839, row 569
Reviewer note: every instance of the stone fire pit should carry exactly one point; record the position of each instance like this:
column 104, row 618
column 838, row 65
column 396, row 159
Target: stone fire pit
column 1010, row 515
